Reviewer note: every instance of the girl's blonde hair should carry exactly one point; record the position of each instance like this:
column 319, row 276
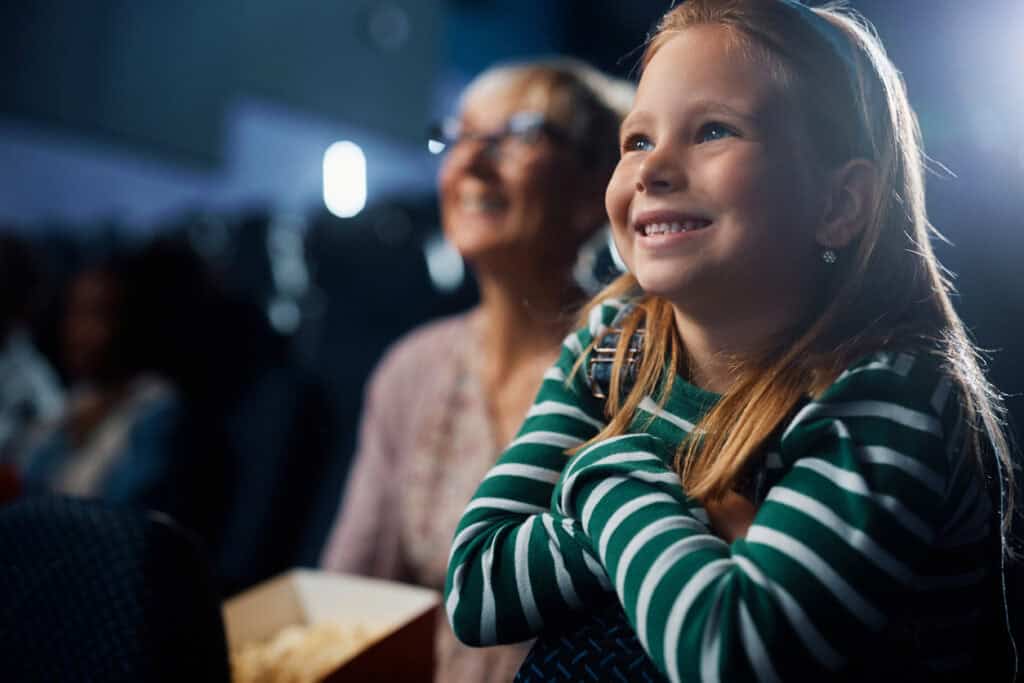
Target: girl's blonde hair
column 887, row 290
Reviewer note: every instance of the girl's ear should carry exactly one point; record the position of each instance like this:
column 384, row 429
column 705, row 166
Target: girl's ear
column 852, row 198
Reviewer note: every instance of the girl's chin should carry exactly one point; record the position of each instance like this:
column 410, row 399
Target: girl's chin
column 671, row 286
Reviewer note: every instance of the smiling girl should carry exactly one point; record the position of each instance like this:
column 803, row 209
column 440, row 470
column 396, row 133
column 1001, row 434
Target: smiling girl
column 786, row 466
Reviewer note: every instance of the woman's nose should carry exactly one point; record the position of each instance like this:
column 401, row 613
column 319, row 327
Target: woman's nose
column 477, row 155
column 469, row 157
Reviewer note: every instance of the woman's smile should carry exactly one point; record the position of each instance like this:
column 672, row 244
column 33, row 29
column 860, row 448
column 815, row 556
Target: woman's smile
column 482, row 203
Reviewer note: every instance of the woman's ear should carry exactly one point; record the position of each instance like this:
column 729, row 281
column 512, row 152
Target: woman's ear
column 850, row 203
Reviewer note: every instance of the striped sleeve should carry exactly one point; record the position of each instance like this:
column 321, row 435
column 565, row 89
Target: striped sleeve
column 514, row 565
column 834, row 552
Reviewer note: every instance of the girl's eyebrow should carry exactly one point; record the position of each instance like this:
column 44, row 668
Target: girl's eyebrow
column 699, row 108
column 718, row 107
column 632, row 118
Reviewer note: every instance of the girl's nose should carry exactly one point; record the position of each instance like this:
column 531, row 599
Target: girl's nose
column 660, row 172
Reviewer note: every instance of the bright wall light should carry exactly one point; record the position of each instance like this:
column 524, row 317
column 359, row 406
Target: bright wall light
column 344, row 179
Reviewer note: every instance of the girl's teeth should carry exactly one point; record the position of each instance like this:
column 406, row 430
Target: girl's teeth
column 662, row 228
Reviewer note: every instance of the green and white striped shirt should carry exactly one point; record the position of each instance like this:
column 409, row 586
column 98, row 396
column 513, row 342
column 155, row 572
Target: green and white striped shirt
column 869, row 554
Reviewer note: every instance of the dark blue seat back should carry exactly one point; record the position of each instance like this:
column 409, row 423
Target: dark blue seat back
column 93, row 592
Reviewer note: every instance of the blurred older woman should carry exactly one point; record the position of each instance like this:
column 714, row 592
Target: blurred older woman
column 521, row 189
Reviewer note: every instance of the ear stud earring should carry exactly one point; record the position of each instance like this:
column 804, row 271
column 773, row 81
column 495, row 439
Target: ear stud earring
column 829, row 256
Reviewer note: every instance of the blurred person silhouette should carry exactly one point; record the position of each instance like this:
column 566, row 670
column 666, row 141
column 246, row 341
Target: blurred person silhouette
column 30, row 391
column 258, row 417
column 521, row 189
column 171, row 336
column 116, row 437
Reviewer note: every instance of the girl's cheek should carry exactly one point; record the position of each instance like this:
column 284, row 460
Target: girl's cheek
column 617, row 198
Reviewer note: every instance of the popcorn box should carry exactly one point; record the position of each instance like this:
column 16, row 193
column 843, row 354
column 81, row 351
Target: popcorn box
column 398, row 621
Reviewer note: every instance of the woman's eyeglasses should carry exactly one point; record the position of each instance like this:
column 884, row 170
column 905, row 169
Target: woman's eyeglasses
column 524, row 128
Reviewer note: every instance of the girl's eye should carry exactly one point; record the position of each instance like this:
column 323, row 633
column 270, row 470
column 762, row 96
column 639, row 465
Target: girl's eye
column 714, row 131
column 637, row 143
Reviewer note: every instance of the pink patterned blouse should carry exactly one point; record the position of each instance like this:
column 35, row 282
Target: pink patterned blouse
column 425, row 443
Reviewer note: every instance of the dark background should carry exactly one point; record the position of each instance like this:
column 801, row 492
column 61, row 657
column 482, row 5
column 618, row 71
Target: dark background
column 205, row 121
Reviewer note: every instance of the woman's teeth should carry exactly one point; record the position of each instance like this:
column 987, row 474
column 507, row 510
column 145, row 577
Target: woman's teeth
column 482, row 203
column 662, row 228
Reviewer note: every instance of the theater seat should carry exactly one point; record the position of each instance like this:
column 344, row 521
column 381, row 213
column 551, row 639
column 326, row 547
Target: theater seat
column 93, row 592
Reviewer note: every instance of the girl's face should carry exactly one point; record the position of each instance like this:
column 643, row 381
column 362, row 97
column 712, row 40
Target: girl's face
column 711, row 204
column 514, row 204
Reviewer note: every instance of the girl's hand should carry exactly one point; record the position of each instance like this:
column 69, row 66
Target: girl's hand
column 731, row 516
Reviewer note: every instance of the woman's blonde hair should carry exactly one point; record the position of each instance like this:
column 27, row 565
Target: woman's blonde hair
column 887, row 290
column 589, row 104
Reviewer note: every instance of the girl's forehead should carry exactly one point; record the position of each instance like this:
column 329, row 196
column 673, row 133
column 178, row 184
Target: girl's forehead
column 708, row 63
